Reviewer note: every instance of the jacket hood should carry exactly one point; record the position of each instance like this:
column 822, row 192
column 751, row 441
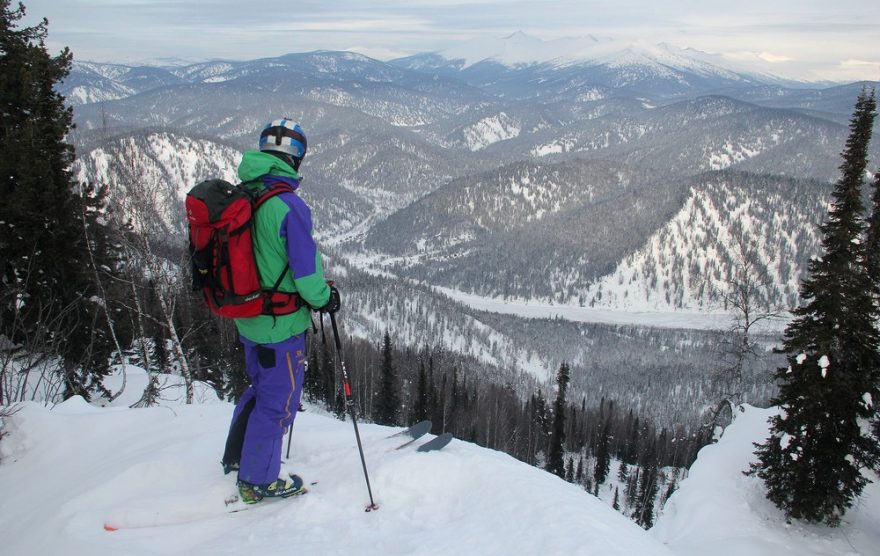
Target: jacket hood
column 255, row 164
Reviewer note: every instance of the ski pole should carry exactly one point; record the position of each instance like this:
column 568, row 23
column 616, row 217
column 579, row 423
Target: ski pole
column 323, row 341
column 338, row 363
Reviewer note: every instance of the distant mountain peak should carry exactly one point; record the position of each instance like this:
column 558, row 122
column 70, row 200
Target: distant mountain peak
column 521, row 49
column 518, row 35
column 515, row 49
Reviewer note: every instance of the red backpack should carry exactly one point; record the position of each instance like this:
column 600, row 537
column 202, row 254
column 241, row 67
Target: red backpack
column 221, row 219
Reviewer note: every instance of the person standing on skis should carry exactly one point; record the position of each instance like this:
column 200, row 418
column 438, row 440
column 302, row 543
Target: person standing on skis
column 275, row 346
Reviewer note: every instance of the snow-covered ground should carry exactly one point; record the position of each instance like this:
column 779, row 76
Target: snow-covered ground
column 154, row 474
column 719, row 511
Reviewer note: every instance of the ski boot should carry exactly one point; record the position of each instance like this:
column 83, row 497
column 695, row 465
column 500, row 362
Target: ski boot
column 285, row 488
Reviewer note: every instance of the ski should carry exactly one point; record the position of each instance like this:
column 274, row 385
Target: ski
column 412, row 434
column 417, row 431
column 436, row 444
column 234, row 504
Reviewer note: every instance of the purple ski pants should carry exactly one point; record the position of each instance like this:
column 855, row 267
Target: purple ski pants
column 267, row 408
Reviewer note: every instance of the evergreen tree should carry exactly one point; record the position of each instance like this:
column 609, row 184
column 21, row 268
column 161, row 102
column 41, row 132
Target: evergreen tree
column 632, row 443
column 438, row 421
column 877, row 438
column 648, row 487
column 542, row 419
column 622, row 472
column 339, row 409
column 872, row 245
column 46, row 289
column 388, row 399
column 313, row 382
column 454, row 398
column 328, row 377
column 422, row 405
column 811, row 463
column 616, row 503
column 434, row 400
column 555, row 459
column 603, row 455
column 632, row 487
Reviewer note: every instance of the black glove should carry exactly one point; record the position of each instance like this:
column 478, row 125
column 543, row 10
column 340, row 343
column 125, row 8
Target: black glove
column 334, row 303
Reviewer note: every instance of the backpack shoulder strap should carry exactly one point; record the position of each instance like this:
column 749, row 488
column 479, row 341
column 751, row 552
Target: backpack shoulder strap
column 271, row 191
column 275, row 189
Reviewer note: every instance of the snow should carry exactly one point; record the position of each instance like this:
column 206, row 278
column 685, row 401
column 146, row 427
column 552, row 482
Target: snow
column 493, row 129
column 154, row 473
column 717, row 510
column 651, row 278
column 697, row 320
column 516, row 49
column 174, row 161
column 520, row 49
column 544, row 150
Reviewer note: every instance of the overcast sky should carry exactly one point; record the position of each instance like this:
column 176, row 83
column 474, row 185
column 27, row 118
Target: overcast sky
column 808, row 39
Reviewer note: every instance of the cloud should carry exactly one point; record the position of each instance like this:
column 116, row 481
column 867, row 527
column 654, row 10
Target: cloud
column 385, row 24
column 379, row 53
column 782, row 35
column 858, row 63
column 774, row 58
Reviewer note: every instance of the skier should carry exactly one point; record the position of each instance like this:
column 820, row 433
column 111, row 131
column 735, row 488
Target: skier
column 275, row 346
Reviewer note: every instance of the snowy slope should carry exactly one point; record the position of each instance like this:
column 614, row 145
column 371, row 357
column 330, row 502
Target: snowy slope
column 489, row 130
column 91, row 82
column 154, row 475
column 692, row 260
column 719, row 511
column 159, row 166
column 156, row 471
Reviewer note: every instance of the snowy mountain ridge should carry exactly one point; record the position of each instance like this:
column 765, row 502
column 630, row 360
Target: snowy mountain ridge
column 521, row 49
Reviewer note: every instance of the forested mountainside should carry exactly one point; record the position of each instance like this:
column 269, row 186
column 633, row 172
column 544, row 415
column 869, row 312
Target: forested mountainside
column 708, row 133
column 149, row 173
column 576, row 231
column 731, row 227
column 666, row 375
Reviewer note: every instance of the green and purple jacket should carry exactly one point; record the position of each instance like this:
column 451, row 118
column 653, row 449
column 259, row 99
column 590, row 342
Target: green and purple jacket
column 282, row 238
